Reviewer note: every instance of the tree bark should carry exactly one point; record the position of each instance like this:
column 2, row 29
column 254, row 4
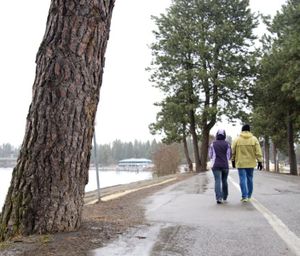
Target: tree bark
column 195, row 141
column 47, row 187
column 208, row 121
column 204, row 147
column 267, row 153
column 187, row 155
column 275, row 158
column 291, row 148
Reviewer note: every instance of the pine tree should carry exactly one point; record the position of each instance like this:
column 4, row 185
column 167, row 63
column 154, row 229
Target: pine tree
column 279, row 79
column 203, row 50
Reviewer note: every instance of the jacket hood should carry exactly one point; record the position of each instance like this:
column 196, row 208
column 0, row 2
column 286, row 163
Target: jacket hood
column 246, row 134
column 221, row 134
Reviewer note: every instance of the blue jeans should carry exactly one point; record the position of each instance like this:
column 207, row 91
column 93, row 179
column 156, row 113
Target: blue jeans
column 221, row 185
column 246, row 181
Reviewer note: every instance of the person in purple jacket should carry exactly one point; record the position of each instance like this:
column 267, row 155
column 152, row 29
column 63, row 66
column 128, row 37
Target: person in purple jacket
column 220, row 153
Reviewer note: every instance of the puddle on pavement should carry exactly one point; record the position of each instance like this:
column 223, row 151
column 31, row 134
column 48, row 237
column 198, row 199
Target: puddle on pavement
column 170, row 242
column 136, row 242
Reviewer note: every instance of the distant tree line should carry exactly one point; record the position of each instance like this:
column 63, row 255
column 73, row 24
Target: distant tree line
column 110, row 154
column 8, row 150
column 8, row 155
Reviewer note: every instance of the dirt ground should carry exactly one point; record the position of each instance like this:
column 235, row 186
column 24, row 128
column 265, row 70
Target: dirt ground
column 102, row 222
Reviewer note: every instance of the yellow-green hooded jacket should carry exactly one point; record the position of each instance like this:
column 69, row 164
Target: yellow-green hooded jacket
column 246, row 150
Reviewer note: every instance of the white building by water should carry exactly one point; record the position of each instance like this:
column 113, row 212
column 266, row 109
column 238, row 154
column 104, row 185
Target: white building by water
column 135, row 164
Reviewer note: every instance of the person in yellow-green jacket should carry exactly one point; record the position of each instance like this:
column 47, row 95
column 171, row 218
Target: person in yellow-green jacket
column 246, row 154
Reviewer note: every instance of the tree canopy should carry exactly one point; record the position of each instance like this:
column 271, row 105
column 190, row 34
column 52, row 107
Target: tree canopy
column 277, row 91
column 204, row 58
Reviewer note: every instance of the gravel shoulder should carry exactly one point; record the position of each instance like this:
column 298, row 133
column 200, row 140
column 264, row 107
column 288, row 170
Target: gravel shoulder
column 101, row 223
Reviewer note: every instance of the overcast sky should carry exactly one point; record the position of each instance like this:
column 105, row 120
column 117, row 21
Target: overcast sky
column 126, row 98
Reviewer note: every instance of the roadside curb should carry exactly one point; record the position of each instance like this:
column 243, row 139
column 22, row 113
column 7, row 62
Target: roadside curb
column 111, row 193
column 123, row 193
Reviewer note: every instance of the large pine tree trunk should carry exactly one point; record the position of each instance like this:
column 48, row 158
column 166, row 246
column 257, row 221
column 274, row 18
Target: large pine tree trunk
column 204, row 148
column 291, row 148
column 267, row 153
column 275, row 158
column 195, row 141
column 47, row 187
column 187, row 155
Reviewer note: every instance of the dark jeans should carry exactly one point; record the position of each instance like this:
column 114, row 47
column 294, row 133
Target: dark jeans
column 246, row 181
column 221, row 185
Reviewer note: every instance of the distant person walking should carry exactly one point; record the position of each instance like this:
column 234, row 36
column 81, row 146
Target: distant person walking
column 245, row 152
column 220, row 153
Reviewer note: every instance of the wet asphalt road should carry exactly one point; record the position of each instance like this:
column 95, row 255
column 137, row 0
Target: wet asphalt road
column 185, row 220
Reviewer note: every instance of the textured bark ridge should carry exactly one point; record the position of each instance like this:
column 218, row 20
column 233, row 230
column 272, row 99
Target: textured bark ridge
column 47, row 187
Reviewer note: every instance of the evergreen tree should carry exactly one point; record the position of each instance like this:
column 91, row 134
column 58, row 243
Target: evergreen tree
column 202, row 50
column 278, row 84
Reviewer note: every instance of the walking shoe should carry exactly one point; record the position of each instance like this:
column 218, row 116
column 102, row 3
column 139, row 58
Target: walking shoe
column 225, row 201
column 219, row 201
column 244, row 200
column 249, row 199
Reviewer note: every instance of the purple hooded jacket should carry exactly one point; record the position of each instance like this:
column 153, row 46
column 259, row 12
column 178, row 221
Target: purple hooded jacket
column 220, row 151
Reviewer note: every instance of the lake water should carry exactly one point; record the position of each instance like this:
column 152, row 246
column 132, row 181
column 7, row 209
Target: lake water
column 107, row 178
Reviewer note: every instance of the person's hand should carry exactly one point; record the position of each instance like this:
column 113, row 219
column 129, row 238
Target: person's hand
column 259, row 166
column 233, row 164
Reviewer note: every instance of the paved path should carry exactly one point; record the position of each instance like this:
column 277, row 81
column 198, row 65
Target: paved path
column 184, row 219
